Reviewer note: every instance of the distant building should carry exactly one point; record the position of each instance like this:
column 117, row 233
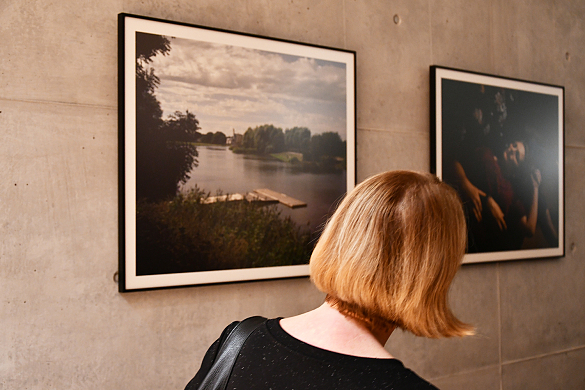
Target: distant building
column 235, row 139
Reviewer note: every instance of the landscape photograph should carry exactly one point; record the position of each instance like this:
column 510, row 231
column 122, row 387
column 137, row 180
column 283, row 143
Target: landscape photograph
column 241, row 154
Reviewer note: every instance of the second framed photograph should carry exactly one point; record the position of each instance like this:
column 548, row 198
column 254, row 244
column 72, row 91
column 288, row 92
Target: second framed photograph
column 234, row 151
column 499, row 142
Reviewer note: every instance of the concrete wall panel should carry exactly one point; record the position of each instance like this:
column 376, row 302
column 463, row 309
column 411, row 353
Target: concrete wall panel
column 524, row 40
column 558, row 371
column 541, row 300
column 65, row 53
column 570, row 28
column 484, row 379
column 392, row 63
column 462, row 34
column 474, row 300
column 383, row 150
column 317, row 22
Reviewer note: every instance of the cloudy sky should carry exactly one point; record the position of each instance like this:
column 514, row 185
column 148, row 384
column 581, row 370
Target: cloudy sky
column 230, row 87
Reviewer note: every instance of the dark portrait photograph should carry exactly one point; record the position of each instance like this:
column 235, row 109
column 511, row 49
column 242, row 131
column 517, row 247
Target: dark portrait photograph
column 499, row 143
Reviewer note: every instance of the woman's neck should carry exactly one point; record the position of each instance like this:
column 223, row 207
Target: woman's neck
column 326, row 328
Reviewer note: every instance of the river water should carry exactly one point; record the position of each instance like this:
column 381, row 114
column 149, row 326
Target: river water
column 221, row 170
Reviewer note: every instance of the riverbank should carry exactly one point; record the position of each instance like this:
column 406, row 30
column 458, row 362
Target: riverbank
column 187, row 235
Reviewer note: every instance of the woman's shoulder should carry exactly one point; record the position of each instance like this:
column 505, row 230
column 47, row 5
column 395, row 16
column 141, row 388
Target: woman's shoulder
column 342, row 371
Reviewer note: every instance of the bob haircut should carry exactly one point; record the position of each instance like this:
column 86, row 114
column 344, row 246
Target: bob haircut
column 390, row 251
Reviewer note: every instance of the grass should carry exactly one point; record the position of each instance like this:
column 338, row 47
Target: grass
column 184, row 235
column 288, row 156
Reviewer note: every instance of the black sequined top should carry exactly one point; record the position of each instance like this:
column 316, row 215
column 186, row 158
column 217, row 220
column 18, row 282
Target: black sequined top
column 271, row 359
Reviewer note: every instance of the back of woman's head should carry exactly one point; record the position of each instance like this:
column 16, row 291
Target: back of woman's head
column 390, row 251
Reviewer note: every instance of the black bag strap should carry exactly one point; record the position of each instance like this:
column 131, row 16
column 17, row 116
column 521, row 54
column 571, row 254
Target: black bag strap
column 219, row 373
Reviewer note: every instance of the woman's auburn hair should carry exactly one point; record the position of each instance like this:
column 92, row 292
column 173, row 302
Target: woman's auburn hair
column 390, row 251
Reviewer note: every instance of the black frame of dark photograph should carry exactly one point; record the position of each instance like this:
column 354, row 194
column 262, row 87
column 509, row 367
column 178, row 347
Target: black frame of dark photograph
column 500, row 143
column 234, row 150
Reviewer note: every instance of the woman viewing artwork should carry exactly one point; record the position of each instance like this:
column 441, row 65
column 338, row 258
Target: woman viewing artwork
column 385, row 260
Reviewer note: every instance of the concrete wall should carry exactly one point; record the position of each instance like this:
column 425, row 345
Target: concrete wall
column 65, row 326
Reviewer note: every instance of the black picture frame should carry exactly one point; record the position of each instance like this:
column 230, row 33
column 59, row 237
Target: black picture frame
column 219, row 180
column 500, row 143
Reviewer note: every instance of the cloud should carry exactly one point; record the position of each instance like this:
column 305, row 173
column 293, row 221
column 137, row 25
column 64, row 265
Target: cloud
column 222, row 83
column 231, row 67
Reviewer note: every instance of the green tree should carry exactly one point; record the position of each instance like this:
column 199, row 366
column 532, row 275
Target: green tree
column 314, row 151
column 148, row 114
column 297, row 139
column 332, row 145
column 180, row 131
column 182, row 127
column 261, row 138
column 206, row 138
column 218, row 138
column 268, row 139
column 149, row 45
column 163, row 156
column 326, row 145
column 249, row 139
column 276, row 144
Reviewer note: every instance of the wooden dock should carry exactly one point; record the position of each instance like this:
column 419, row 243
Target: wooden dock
column 282, row 198
column 262, row 195
column 222, row 198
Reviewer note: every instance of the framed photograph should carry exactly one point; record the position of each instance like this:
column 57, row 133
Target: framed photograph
column 234, row 151
column 499, row 142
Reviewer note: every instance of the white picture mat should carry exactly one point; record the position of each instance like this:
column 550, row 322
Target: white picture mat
column 443, row 73
column 132, row 26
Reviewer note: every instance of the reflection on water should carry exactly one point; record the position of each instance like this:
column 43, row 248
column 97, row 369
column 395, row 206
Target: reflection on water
column 221, row 170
